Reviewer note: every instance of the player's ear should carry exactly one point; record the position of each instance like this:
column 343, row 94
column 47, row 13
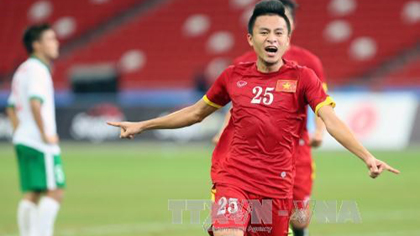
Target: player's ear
column 36, row 46
column 249, row 37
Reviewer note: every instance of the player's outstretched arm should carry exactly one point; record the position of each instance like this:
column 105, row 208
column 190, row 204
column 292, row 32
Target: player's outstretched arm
column 343, row 135
column 182, row 118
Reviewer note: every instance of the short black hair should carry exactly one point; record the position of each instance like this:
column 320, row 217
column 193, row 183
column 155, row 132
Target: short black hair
column 33, row 33
column 292, row 5
column 268, row 7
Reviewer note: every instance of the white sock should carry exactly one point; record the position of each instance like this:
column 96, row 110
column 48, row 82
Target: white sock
column 47, row 212
column 27, row 216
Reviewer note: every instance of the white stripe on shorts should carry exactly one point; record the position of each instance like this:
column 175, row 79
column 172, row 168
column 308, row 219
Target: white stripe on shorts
column 49, row 169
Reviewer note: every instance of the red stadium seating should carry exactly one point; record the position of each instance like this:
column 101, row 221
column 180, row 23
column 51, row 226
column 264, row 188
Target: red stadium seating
column 367, row 33
column 72, row 18
column 168, row 45
column 158, row 40
column 377, row 32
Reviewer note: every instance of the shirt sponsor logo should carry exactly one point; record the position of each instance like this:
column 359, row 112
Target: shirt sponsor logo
column 288, row 86
column 241, row 83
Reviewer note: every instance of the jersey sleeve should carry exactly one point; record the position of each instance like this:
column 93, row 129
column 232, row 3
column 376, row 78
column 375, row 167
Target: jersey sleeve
column 217, row 96
column 37, row 84
column 314, row 92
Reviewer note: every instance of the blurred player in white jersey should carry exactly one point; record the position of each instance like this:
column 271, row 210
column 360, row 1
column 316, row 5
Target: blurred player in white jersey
column 31, row 110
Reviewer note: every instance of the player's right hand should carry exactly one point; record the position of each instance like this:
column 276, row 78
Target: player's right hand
column 128, row 129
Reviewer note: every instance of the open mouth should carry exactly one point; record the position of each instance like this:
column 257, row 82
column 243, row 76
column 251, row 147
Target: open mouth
column 271, row 49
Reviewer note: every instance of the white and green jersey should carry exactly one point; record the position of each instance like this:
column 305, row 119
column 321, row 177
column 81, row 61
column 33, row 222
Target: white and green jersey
column 32, row 80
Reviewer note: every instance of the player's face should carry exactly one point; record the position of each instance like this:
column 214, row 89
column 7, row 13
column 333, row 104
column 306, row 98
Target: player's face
column 270, row 38
column 48, row 44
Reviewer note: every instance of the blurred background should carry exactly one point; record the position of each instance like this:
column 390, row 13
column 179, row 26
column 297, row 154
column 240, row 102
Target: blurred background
column 138, row 59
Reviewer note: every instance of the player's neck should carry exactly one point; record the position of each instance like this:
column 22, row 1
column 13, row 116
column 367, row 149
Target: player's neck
column 42, row 58
column 269, row 68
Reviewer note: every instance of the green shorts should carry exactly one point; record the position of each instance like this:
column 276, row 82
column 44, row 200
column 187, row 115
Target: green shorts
column 39, row 171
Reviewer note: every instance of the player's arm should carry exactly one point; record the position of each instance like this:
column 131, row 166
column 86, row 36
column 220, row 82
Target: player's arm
column 323, row 107
column 345, row 137
column 182, row 118
column 36, row 105
column 11, row 113
column 11, row 110
column 225, row 123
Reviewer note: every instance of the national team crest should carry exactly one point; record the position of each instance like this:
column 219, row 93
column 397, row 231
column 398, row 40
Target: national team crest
column 288, row 86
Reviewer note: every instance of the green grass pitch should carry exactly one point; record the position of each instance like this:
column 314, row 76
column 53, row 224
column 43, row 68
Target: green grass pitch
column 123, row 189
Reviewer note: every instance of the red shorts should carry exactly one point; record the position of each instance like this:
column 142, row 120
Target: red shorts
column 303, row 181
column 255, row 215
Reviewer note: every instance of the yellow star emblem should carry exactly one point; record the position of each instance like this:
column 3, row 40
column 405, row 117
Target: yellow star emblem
column 286, row 86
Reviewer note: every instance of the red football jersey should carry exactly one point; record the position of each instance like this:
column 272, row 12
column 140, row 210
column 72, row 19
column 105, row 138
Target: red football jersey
column 268, row 116
column 302, row 57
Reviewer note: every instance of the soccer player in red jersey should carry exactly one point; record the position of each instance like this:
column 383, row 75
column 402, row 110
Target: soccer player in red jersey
column 269, row 100
column 303, row 180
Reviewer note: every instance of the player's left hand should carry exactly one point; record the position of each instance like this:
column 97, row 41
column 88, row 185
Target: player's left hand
column 376, row 167
column 128, row 129
column 316, row 140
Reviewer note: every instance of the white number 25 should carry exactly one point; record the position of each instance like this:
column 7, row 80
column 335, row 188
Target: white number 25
column 267, row 98
column 230, row 205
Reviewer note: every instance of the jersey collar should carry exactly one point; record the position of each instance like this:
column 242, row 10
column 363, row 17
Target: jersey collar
column 42, row 62
column 286, row 65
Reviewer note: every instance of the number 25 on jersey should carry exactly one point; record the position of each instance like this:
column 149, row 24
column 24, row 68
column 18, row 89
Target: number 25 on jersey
column 267, row 98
